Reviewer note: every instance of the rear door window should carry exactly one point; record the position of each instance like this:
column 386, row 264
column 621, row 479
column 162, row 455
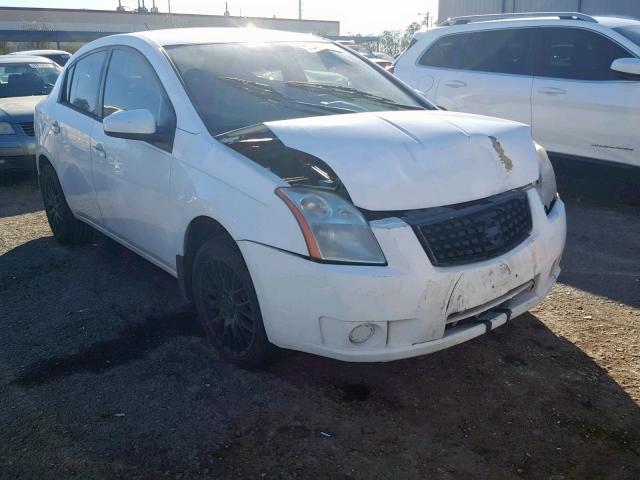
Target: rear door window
column 83, row 83
column 494, row 51
column 497, row 51
column 576, row 54
column 444, row 53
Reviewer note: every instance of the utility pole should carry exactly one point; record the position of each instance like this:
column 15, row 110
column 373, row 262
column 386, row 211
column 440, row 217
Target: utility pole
column 299, row 9
column 427, row 18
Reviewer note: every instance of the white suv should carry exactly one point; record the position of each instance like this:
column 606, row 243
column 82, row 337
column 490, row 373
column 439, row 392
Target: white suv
column 574, row 78
column 302, row 197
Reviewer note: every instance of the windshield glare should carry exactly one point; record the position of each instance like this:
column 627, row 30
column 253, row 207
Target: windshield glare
column 27, row 79
column 631, row 32
column 240, row 84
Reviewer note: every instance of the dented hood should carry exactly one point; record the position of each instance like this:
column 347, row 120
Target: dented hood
column 415, row 159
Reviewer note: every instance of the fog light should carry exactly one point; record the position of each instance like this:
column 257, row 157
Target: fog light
column 362, row 333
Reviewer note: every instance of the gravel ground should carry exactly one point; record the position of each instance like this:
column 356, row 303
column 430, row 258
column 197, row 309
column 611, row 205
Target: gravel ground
column 105, row 374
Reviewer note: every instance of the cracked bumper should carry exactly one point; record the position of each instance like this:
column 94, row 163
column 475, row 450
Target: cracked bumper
column 413, row 307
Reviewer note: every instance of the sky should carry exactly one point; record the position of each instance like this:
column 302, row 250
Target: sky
column 355, row 16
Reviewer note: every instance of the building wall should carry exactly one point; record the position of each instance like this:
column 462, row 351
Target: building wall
column 105, row 21
column 453, row 8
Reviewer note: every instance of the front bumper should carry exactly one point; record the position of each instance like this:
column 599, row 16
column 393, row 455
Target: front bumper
column 413, row 307
column 17, row 153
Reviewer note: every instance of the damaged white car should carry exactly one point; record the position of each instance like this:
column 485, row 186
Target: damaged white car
column 303, row 197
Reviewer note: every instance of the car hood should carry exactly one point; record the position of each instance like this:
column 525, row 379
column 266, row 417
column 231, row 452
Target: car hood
column 19, row 108
column 405, row 160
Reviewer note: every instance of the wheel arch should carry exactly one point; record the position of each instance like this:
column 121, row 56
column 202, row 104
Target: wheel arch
column 200, row 230
column 43, row 159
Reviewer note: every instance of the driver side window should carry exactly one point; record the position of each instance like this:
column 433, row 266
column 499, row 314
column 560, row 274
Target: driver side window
column 131, row 83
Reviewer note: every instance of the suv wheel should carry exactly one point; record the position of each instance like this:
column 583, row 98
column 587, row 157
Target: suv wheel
column 65, row 227
column 228, row 306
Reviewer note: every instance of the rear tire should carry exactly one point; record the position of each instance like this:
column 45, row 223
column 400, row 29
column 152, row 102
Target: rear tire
column 228, row 307
column 66, row 228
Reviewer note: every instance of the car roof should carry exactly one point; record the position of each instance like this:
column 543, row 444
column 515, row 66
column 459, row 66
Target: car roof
column 192, row 36
column 614, row 22
column 41, row 52
column 610, row 21
column 4, row 59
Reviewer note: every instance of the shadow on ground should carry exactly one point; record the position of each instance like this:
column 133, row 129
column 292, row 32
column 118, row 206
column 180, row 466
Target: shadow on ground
column 19, row 194
column 602, row 255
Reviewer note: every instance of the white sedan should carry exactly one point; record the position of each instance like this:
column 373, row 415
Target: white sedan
column 302, row 198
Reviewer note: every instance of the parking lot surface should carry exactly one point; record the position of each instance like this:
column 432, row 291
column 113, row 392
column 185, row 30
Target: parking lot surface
column 104, row 373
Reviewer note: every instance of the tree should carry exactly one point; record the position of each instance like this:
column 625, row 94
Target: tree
column 394, row 42
column 390, row 42
column 408, row 34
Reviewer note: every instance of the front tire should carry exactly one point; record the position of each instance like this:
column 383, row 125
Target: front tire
column 66, row 228
column 228, row 307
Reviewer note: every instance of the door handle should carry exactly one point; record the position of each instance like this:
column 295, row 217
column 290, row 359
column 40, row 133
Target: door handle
column 100, row 151
column 552, row 91
column 55, row 128
column 456, row 84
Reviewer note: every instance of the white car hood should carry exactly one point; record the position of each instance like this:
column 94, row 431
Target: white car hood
column 415, row 159
column 19, row 106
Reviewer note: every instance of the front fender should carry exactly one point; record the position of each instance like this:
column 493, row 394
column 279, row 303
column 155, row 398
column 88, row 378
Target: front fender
column 231, row 189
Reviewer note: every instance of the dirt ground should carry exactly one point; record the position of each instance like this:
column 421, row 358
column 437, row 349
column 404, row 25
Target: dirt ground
column 104, row 373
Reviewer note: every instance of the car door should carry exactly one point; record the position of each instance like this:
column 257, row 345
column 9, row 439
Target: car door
column 580, row 106
column 486, row 72
column 132, row 177
column 77, row 113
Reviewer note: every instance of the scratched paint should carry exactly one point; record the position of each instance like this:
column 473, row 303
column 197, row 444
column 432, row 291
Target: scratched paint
column 504, row 159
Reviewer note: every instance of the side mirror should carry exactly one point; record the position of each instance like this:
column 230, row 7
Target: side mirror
column 628, row 68
column 137, row 124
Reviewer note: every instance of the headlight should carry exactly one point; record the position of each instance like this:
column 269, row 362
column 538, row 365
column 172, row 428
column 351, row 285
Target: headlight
column 546, row 184
column 333, row 228
column 6, row 129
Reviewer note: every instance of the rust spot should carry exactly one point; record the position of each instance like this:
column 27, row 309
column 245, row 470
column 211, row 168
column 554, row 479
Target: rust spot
column 506, row 161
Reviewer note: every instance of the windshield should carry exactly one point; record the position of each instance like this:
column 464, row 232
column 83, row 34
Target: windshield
column 236, row 85
column 60, row 58
column 631, row 32
column 27, row 79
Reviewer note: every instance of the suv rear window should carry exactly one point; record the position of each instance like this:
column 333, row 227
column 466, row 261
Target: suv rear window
column 494, row 51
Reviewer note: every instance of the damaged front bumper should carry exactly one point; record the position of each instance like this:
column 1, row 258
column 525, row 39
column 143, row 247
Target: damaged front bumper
column 409, row 307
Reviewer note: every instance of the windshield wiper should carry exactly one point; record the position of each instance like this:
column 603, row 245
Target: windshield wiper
column 353, row 92
column 267, row 91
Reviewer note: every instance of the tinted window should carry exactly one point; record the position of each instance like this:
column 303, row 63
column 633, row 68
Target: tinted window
column 444, row 53
column 85, row 83
column 496, row 51
column 67, row 84
column 132, row 84
column 576, row 54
